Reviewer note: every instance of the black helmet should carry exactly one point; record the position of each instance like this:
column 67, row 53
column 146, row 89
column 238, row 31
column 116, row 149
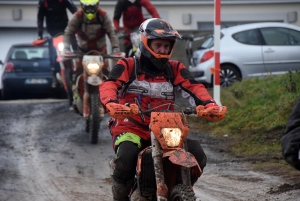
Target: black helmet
column 156, row 28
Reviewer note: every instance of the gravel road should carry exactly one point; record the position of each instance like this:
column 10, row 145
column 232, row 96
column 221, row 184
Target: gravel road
column 46, row 156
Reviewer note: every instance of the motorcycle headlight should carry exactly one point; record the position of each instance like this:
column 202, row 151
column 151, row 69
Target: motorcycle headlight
column 93, row 68
column 172, row 136
column 60, row 47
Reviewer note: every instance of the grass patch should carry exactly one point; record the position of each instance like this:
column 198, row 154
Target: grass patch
column 258, row 110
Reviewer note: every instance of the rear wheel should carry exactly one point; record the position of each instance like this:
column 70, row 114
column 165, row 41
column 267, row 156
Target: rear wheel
column 94, row 118
column 229, row 75
column 182, row 192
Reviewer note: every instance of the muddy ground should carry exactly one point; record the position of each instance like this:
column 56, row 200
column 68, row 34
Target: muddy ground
column 45, row 155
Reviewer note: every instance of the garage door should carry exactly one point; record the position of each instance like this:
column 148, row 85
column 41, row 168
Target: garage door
column 9, row 36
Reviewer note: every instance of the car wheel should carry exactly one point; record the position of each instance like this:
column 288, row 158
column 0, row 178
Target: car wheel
column 229, row 75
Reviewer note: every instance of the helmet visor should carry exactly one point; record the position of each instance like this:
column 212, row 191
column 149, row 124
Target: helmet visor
column 90, row 8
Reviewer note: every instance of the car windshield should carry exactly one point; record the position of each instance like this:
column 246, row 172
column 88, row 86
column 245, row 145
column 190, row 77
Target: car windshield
column 29, row 53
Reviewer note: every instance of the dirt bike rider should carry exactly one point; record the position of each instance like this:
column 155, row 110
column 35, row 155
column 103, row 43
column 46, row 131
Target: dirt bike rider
column 55, row 12
column 131, row 12
column 157, row 79
column 290, row 142
column 91, row 24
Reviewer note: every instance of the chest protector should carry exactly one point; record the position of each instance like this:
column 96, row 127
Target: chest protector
column 91, row 31
column 158, row 86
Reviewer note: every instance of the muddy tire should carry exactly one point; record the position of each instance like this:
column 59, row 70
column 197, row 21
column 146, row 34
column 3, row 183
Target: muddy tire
column 94, row 118
column 182, row 192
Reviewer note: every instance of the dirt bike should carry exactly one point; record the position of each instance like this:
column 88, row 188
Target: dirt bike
column 135, row 38
column 164, row 169
column 66, row 67
column 87, row 87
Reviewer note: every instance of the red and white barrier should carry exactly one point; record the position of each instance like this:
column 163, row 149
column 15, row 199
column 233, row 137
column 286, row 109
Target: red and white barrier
column 217, row 35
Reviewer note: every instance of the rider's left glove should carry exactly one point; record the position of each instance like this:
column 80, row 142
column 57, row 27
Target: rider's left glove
column 120, row 111
column 211, row 112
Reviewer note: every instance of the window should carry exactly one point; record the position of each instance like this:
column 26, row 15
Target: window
column 280, row 36
column 29, row 53
column 249, row 37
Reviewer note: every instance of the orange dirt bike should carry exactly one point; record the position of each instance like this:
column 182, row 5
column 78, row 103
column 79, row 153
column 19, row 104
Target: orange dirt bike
column 66, row 67
column 87, row 98
column 164, row 169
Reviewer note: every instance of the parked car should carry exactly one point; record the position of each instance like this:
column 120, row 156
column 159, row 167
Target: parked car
column 1, row 73
column 249, row 50
column 27, row 70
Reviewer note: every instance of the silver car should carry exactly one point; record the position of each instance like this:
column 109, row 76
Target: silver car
column 250, row 50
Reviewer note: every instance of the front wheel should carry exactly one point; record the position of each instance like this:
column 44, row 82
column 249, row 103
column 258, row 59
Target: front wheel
column 182, row 192
column 94, row 118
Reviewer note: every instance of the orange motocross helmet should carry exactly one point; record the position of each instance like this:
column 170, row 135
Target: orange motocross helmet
column 155, row 28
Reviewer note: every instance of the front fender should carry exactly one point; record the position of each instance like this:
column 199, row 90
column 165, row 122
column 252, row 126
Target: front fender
column 182, row 158
column 185, row 159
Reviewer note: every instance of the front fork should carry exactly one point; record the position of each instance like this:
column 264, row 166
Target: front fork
column 86, row 97
column 162, row 188
column 162, row 191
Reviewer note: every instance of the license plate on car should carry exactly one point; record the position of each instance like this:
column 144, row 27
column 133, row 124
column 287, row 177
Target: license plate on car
column 36, row 81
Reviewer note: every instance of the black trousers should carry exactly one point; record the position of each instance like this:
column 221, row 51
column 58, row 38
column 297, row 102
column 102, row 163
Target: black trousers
column 127, row 154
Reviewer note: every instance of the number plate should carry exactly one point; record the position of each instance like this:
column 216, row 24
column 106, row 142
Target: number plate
column 94, row 80
column 36, row 81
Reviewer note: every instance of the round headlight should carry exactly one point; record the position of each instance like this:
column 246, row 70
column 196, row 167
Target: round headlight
column 172, row 136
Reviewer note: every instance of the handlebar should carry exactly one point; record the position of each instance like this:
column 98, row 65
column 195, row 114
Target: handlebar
column 77, row 55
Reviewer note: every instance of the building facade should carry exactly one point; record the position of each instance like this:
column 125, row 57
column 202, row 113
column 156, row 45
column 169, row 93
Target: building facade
column 18, row 19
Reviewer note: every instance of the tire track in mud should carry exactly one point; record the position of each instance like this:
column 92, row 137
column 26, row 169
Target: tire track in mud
column 46, row 155
column 52, row 157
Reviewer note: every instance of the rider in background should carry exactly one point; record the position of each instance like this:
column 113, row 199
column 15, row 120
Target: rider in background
column 157, row 79
column 290, row 142
column 55, row 13
column 91, row 24
column 131, row 12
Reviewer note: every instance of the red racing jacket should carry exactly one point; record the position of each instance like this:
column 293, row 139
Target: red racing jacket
column 132, row 14
column 149, row 91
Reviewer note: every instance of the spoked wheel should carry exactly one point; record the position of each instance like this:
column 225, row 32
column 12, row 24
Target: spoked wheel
column 229, row 75
column 94, row 118
column 182, row 192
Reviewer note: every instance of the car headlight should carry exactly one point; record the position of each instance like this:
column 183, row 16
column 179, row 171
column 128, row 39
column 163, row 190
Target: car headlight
column 172, row 136
column 60, row 47
column 93, row 68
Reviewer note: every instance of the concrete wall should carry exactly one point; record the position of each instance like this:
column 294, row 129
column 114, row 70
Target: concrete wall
column 174, row 12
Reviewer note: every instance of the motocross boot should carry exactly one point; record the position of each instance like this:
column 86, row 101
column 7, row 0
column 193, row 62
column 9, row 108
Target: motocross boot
column 75, row 97
column 136, row 196
column 121, row 190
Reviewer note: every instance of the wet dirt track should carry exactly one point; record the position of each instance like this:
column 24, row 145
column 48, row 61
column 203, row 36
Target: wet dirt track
column 46, row 156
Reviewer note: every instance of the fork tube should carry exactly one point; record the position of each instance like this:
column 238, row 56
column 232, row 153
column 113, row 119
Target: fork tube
column 162, row 189
column 86, row 103
column 185, row 172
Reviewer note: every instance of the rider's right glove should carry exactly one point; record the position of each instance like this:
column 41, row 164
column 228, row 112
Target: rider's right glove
column 121, row 111
column 67, row 52
column 117, row 53
column 211, row 112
